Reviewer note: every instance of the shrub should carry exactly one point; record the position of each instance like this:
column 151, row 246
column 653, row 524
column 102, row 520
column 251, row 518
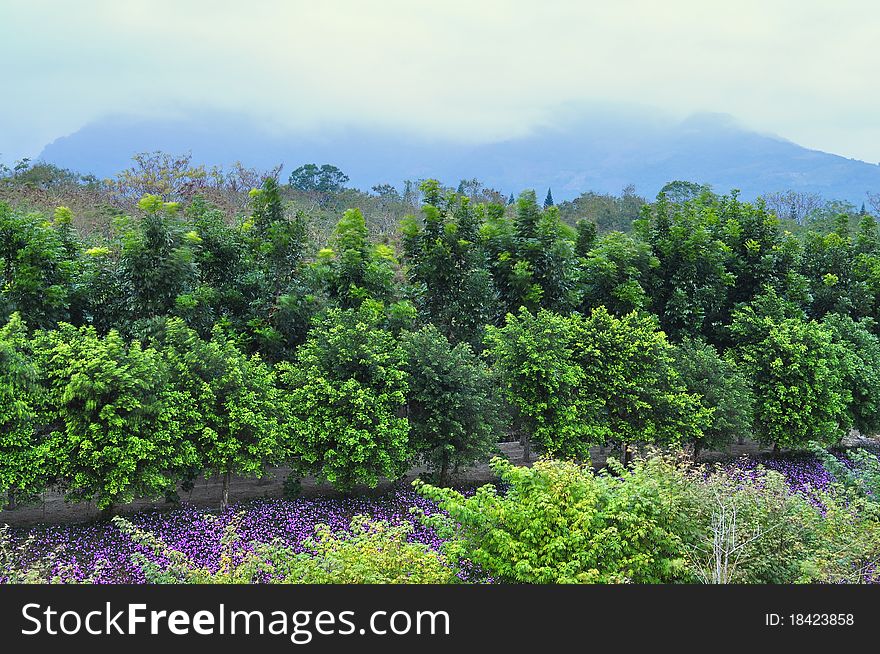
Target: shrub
column 561, row 523
column 372, row 553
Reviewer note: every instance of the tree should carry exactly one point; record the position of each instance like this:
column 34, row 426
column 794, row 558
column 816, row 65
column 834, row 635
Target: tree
column 548, row 200
column 326, row 179
column 225, row 402
column 22, row 466
column 451, row 404
column 157, row 264
column 634, row 393
column 276, row 282
column 166, row 176
column 112, row 437
column 225, row 265
column 386, row 191
column 679, row 191
column 615, row 272
column 608, row 212
column 534, row 359
column 39, row 265
column 355, row 270
column 531, row 256
column 827, row 266
column 342, row 398
column 586, row 237
column 759, row 256
column 797, row 374
column 447, row 267
column 722, row 389
column 581, row 381
column 860, row 351
column 691, row 280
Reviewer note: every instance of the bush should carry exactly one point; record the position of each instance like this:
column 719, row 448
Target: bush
column 663, row 520
column 561, row 523
column 372, row 553
column 751, row 527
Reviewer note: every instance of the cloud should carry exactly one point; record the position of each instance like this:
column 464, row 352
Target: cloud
column 474, row 71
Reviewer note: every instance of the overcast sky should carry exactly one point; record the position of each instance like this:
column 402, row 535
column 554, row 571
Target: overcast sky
column 473, row 69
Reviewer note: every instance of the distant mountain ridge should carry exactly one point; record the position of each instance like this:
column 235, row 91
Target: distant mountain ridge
column 589, row 151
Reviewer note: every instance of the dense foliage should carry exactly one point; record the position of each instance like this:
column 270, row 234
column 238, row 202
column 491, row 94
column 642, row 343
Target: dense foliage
column 663, row 521
column 215, row 324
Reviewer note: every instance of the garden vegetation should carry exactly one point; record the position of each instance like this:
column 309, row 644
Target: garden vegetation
column 184, row 341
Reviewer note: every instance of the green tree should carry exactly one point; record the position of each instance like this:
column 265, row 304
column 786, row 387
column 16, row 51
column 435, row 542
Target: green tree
column 355, row 269
column 22, row 468
column 615, row 272
column 860, row 351
column 343, row 397
column 761, row 256
column 113, row 438
column 38, row 267
column 582, row 381
column 797, row 374
column 531, row 256
column 452, row 285
column 276, row 279
column 225, row 402
column 690, row 283
column 323, row 179
column 722, row 388
column 157, row 263
column 451, row 407
column 827, row 265
column 679, row 191
column 608, row 212
column 534, row 359
column 633, row 390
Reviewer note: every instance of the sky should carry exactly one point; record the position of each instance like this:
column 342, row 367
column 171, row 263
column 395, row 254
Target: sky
column 468, row 70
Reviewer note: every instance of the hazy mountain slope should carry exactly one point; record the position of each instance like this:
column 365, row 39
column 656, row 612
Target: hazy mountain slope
column 589, row 151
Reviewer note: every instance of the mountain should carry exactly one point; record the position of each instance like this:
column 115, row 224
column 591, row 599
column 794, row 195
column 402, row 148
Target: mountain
column 584, row 149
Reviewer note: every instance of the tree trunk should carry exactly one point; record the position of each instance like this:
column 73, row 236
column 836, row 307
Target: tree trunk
column 224, row 502
column 696, row 451
column 775, row 448
column 444, row 469
column 740, row 440
column 626, row 455
column 527, row 448
column 10, row 496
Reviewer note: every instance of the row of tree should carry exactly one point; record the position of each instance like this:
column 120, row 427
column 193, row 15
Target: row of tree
column 183, row 344
column 109, row 419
